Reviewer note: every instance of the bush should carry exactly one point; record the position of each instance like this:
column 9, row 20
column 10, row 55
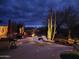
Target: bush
column 69, row 55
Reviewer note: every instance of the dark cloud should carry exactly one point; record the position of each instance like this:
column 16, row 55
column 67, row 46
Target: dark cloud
column 32, row 11
column 3, row 2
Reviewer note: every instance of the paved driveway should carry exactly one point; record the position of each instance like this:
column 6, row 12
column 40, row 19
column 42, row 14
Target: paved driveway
column 33, row 51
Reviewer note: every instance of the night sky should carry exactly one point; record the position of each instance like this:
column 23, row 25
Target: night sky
column 32, row 12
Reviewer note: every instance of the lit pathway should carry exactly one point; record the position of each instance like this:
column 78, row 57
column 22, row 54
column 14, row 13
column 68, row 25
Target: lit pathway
column 32, row 51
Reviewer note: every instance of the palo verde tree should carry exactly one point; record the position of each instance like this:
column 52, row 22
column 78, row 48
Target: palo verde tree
column 68, row 16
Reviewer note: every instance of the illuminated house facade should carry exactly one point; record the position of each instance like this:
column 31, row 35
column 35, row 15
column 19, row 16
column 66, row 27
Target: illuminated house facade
column 9, row 28
column 3, row 31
